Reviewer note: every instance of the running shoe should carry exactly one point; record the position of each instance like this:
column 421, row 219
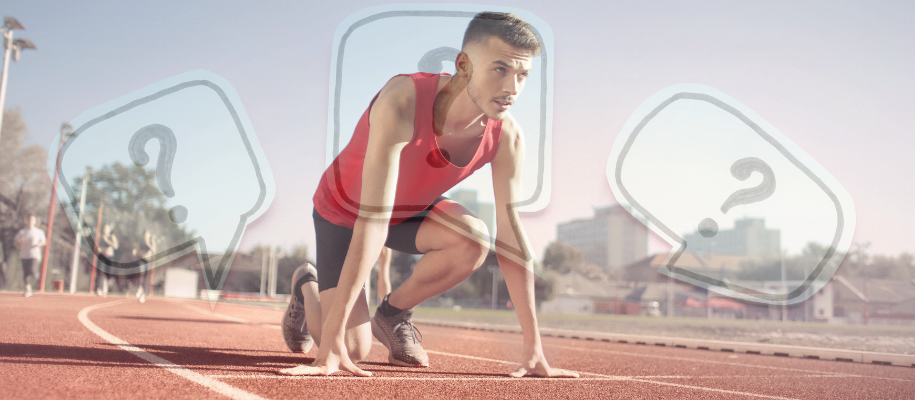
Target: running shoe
column 398, row 334
column 295, row 330
column 28, row 291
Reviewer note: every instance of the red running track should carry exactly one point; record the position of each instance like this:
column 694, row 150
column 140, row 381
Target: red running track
column 60, row 346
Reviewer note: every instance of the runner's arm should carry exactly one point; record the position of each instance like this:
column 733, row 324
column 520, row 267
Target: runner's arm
column 514, row 251
column 391, row 128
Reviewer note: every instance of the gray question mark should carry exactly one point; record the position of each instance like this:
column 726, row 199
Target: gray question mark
column 741, row 169
column 431, row 62
column 168, row 145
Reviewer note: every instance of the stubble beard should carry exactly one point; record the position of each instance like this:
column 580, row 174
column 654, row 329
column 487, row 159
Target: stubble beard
column 476, row 98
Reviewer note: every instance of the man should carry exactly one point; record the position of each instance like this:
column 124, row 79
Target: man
column 144, row 251
column 421, row 134
column 108, row 243
column 30, row 240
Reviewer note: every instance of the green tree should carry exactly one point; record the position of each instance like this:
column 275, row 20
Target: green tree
column 561, row 257
column 24, row 185
column 564, row 258
column 287, row 264
column 133, row 203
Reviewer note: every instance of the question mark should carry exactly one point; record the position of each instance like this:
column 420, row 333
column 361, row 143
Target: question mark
column 431, row 62
column 168, row 145
column 741, row 169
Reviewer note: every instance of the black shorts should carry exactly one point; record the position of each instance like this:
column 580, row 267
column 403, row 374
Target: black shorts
column 333, row 243
column 28, row 267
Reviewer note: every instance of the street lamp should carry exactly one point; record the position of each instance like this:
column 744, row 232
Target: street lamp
column 13, row 47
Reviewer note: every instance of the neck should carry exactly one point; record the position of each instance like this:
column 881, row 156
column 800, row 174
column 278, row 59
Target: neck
column 454, row 106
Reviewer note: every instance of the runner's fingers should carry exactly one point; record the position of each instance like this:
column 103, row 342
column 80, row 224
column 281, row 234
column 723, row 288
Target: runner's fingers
column 353, row 369
column 519, row 373
column 306, row 370
column 562, row 373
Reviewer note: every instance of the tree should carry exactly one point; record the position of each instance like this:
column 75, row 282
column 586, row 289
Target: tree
column 859, row 262
column 561, row 257
column 24, row 182
column 564, row 258
column 133, row 203
column 287, row 264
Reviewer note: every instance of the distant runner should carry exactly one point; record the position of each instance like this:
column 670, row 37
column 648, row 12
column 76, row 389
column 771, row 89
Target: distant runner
column 30, row 241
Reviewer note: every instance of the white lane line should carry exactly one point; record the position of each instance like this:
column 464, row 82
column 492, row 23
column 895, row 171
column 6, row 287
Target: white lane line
column 765, row 396
column 728, row 363
column 414, row 378
column 227, row 317
column 472, row 357
column 645, row 355
column 610, row 377
column 505, row 378
column 206, row 381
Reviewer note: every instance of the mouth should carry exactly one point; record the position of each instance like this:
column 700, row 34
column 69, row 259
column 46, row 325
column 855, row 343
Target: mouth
column 504, row 105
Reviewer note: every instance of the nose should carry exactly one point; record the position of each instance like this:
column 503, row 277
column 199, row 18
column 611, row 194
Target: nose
column 512, row 86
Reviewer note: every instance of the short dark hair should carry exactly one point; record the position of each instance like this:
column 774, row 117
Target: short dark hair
column 505, row 26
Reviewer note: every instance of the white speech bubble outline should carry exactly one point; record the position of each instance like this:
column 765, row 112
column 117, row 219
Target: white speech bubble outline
column 229, row 97
column 845, row 211
column 541, row 195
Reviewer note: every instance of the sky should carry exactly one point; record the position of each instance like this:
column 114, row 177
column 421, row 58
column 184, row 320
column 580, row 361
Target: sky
column 834, row 77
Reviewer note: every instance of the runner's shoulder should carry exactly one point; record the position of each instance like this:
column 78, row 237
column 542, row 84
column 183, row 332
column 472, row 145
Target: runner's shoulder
column 512, row 134
column 399, row 94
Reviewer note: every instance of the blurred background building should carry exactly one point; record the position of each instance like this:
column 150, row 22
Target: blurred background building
column 483, row 211
column 750, row 237
column 610, row 239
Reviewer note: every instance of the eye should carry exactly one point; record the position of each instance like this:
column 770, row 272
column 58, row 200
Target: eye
column 500, row 70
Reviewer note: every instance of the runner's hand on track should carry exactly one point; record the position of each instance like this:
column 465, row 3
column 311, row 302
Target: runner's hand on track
column 535, row 364
column 334, row 359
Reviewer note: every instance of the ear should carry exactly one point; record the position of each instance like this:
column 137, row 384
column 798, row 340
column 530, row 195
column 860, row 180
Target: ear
column 463, row 65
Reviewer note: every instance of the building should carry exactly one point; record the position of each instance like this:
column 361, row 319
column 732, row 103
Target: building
column 483, row 211
column 718, row 266
column 748, row 238
column 610, row 239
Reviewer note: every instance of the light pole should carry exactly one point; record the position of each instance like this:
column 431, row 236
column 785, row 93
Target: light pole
column 13, row 47
column 74, row 265
column 495, row 285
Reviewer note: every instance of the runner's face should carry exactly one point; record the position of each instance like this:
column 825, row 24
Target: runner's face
column 500, row 71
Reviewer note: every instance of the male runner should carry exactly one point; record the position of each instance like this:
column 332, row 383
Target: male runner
column 108, row 243
column 30, row 240
column 422, row 134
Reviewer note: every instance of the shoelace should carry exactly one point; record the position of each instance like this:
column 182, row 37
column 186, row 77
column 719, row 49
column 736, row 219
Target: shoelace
column 413, row 330
column 296, row 309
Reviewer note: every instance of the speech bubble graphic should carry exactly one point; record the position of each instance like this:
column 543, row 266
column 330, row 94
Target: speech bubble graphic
column 377, row 43
column 733, row 197
column 210, row 179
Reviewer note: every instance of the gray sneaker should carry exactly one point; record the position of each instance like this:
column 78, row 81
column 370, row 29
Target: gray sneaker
column 398, row 334
column 295, row 331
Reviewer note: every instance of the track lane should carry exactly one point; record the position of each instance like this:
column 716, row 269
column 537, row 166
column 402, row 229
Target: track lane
column 241, row 347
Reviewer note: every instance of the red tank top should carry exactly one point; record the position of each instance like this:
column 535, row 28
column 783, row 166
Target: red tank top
column 424, row 174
